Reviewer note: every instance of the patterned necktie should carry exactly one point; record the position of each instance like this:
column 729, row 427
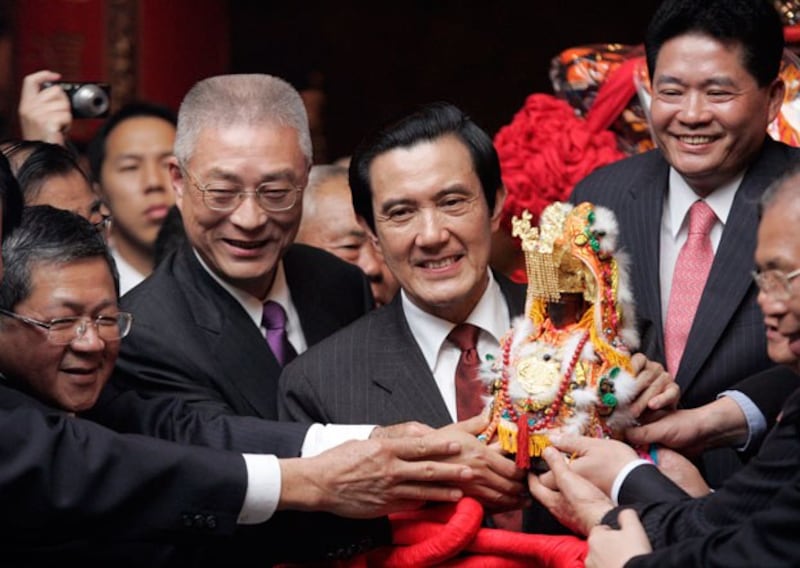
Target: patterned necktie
column 273, row 318
column 688, row 280
column 469, row 387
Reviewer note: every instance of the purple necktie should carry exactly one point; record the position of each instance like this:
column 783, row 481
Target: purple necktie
column 274, row 320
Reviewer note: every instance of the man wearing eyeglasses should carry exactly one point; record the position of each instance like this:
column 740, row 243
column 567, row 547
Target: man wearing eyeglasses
column 241, row 160
column 74, row 490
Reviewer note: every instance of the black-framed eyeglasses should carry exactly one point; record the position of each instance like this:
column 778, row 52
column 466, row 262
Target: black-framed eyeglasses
column 775, row 283
column 273, row 196
column 63, row 331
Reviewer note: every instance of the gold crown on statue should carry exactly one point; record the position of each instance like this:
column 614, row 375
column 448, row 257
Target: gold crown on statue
column 573, row 377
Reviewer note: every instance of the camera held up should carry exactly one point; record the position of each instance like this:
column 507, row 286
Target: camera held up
column 87, row 100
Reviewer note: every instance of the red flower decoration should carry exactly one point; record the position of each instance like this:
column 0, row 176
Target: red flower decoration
column 545, row 151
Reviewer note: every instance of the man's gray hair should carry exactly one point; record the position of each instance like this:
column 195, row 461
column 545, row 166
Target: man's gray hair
column 249, row 99
column 787, row 185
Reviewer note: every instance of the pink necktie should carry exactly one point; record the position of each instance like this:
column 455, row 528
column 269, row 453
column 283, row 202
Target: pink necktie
column 469, row 387
column 688, row 280
column 273, row 318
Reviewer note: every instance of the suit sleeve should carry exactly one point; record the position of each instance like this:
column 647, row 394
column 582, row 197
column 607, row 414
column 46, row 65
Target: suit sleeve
column 298, row 400
column 752, row 490
column 766, row 538
column 769, row 390
column 63, row 477
column 66, row 479
column 172, row 418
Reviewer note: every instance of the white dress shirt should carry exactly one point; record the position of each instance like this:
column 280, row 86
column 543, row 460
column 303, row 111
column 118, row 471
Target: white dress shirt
column 491, row 315
column 128, row 275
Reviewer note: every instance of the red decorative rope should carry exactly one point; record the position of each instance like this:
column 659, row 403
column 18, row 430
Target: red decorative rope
column 452, row 535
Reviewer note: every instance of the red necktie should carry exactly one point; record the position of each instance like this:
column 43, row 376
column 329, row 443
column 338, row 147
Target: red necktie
column 273, row 318
column 469, row 399
column 688, row 280
column 469, row 387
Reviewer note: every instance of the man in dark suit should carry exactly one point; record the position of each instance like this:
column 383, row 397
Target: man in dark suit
column 242, row 157
column 75, row 490
column 714, row 74
column 752, row 520
column 429, row 188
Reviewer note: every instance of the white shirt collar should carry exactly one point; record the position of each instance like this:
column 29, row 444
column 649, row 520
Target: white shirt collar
column 128, row 275
column 681, row 197
column 279, row 292
column 490, row 314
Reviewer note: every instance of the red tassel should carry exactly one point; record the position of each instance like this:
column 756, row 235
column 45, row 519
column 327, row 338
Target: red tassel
column 523, row 455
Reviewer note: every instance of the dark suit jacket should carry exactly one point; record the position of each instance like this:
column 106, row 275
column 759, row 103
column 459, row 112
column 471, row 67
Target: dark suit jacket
column 372, row 372
column 73, row 490
column 192, row 339
column 752, row 520
column 727, row 342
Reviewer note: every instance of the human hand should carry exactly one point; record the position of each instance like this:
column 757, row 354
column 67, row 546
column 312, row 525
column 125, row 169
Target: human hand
column 656, row 388
column 609, row 548
column 693, row 430
column 497, row 483
column 402, row 430
column 375, row 477
column 682, row 472
column 44, row 114
column 573, row 500
column 599, row 460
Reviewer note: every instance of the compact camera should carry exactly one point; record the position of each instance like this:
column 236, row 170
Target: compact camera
column 87, row 100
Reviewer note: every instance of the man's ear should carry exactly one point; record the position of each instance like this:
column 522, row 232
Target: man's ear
column 177, row 178
column 776, row 94
column 497, row 214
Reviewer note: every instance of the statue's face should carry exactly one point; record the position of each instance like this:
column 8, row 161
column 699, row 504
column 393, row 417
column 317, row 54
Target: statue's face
column 569, row 309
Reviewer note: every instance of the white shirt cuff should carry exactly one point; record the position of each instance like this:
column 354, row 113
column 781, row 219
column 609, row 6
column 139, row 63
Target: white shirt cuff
column 756, row 423
column 321, row 437
column 263, row 488
column 623, row 474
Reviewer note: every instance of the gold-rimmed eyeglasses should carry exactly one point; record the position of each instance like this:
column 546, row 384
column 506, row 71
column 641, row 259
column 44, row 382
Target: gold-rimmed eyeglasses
column 63, row 331
column 273, row 196
column 775, row 283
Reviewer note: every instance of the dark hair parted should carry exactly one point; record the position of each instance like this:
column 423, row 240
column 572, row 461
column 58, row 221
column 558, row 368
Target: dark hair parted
column 755, row 25
column 45, row 162
column 96, row 151
column 428, row 123
column 10, row 196
column 47, row 235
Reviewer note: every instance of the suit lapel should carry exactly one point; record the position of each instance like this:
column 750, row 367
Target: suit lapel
column 729, row 279
column 642, row 241
column 401, row 369
column 251, row 379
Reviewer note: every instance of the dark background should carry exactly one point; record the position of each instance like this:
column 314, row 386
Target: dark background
column 374, row 60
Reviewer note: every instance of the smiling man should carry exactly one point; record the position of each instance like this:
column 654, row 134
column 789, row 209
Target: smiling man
column 429, row 188
column 713, row 67
column 241, row 160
